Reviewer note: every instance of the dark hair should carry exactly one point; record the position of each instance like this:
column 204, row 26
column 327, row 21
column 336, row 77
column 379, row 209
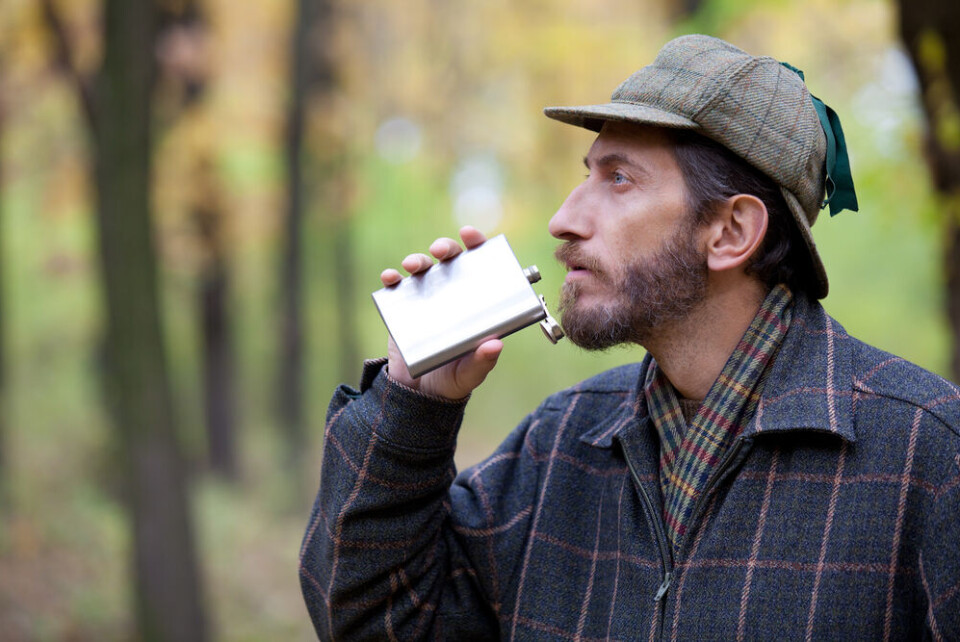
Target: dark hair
column 713, row 174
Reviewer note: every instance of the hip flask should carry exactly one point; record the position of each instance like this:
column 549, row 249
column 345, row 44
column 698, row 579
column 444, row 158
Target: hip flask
column 448, row 310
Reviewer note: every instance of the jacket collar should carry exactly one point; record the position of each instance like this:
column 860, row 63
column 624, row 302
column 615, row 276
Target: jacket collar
column 809, row 388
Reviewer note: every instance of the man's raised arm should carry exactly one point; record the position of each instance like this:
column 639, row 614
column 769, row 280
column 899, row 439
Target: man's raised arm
column 380, row 558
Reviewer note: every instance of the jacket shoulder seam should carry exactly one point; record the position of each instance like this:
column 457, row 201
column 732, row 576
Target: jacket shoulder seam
column 914, row 403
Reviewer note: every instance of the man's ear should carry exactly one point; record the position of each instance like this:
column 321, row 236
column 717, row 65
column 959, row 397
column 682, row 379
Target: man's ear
column 736, row 231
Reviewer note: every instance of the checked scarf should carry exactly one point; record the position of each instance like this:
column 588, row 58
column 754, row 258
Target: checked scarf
column 689, row 453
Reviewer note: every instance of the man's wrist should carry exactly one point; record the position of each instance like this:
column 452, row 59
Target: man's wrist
column 417, row 391
column 412, row 419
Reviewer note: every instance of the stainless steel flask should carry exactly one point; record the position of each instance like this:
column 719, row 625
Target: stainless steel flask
column 447, row 311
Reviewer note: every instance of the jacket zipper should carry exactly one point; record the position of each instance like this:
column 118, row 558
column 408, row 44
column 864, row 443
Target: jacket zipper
column 660, row 535
column 656, row 522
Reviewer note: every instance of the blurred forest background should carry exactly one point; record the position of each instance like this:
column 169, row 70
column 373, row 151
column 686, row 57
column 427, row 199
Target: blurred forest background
column 197, row 197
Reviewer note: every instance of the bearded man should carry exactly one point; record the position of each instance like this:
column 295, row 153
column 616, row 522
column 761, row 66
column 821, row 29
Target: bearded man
column 760, row 475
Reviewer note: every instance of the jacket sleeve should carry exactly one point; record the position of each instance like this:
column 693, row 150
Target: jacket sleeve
column 940, row 559
column 387, row 552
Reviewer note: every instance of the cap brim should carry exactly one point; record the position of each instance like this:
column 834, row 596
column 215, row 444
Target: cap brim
column 800, row 218
column 592, row 117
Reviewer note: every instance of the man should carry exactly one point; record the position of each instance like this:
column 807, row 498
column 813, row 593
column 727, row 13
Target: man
column 761, row 474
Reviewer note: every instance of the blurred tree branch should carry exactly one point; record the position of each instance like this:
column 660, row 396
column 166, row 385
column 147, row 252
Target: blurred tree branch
column 930, row 29
column 64, row 58
column 684, row 9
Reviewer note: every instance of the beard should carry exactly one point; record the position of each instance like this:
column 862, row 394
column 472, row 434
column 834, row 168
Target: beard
column 649, row 293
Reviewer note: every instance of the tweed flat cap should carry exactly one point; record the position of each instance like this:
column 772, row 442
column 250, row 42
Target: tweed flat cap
column 753, row 106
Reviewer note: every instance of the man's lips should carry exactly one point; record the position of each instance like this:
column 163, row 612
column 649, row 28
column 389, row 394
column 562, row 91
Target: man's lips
column 576, row 261
column 577, row 273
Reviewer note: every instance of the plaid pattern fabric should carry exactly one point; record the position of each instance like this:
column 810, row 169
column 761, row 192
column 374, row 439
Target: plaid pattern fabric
column 690, row 453
column 836, row 518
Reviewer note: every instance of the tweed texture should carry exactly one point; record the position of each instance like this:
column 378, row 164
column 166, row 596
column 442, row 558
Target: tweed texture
column 690, row 453
column 753, row 106
column 834, row 519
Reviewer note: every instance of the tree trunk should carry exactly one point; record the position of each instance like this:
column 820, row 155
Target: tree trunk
column 218, row 371
column 931, row 32
column 218, row 363
column 4, row 457
column 182, row 46
column 169, row 605
column 291, row 279
column 338, row 191
column 345, row 287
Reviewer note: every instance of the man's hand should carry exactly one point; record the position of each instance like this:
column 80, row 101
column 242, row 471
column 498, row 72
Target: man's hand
column 457, row 379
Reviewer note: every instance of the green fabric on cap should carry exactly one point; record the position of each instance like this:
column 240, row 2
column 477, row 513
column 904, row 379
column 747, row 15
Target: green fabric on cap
column 753, row 106
column 841, row 194
column 839, row 182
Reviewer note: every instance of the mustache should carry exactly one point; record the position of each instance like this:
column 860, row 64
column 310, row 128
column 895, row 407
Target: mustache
column 570, row 254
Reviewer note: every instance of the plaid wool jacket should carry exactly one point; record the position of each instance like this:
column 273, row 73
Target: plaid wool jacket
column 834, row 516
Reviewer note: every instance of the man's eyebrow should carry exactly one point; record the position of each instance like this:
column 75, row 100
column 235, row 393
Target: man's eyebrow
column 614, row 158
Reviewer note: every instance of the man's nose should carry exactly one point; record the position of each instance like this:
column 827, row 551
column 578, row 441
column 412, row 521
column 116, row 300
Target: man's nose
column 572, row 220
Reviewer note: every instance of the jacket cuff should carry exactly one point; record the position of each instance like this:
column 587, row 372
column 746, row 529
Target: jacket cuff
column 411, row 420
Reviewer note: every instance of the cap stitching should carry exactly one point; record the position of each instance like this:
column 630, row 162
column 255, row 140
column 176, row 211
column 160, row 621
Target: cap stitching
column 766, row 114
column 807, row 143
column 687, row 65
column 723, row 86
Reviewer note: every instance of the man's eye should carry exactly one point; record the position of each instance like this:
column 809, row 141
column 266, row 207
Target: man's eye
column 618, row 178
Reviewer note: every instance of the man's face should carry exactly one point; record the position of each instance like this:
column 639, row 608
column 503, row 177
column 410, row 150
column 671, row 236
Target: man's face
column 632, row 253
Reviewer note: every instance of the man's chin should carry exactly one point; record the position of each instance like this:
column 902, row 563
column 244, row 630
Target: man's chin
column 580, row 298
column 595, row 328
column 592, row 342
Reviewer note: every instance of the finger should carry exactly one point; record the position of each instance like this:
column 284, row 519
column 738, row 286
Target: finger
column 416, row 263
column 489, row 350
column 390, row 276
column 472, row 237
column 396, row 368
column 474, row 368
column 444, row 248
